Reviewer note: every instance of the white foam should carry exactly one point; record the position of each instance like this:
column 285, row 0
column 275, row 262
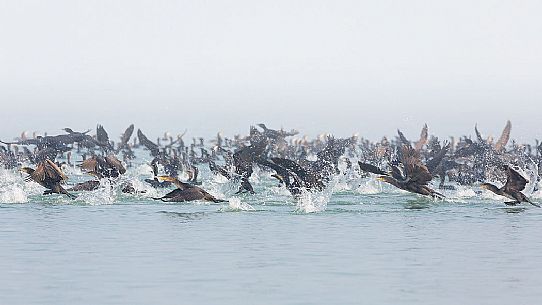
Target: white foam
column 369, row 187
column 105, row 194
column 461, row 192
column 309, row 202
column 12, row 188
column 235, row 204
column 13, row 194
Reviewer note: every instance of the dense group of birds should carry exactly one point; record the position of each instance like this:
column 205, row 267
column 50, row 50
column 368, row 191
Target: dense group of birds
column 299, row 164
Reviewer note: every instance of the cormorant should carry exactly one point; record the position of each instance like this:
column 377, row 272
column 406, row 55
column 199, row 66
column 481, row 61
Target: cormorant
column 185, row 192
column 90, row 185
column 100, row 167
column 515, row 183
column 48, row 175
column 412, row 177
column 103, row 138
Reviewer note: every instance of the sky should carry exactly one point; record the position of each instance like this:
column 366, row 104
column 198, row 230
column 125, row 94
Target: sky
column 366, row 67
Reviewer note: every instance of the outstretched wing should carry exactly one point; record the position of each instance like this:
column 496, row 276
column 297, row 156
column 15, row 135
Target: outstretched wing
column 39, row 173
column 101, row 135
column 292, row 166
column 514, row 180
column 113, row 161
column 423, row 138
column 402, row 137
column 147, row 143
column 505, row 136
column 53, row 172
column 415, row 170
column 437, row 159
column 90, row 164
column 478, row 135
column 126, row 135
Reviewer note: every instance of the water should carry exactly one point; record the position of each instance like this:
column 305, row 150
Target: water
column 364, row 242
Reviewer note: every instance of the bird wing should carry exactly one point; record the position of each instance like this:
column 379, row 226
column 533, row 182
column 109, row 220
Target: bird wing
column 126, row 135
column 402, row 137
column 435, row 162
column 505, row 136
column 415, row 170
column 423, row 138
column 38, row 174
column 292, row 166
column 147, row 143
column 514, row 180
column 53, row 172
column 101, row 134
column 113, row 161
column 90, row 164
column 478, row 134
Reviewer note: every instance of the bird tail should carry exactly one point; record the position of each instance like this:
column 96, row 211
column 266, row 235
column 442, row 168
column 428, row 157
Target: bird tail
column 437, row 195
column 71, row 196
column 534, row 203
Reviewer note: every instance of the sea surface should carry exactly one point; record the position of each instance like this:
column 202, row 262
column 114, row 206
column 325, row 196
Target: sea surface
column 358, row 242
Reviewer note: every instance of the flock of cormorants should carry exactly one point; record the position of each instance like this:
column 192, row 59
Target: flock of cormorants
column 299, row 164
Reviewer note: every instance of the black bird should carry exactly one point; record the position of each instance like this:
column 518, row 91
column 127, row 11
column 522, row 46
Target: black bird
column 413, row 176
column 103, row 167
column 125, row 138
column 148, row 143
column 290, row 179
column 48, row 175
column 515, row 183
column 185, row 192
column 90, row 185
column 103, row 138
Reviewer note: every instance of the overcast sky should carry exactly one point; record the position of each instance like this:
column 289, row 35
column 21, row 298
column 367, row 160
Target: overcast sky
column 338, row 66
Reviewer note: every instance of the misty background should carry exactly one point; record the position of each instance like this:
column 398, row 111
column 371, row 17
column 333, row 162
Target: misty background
column 317, row 66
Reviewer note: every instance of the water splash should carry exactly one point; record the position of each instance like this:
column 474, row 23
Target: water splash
column 309, row 202
column 369, row 187
column 12, row 188
column 13, row 194
column 105, row 194
column 235, row 204
column 461, row 192
column 312, row 202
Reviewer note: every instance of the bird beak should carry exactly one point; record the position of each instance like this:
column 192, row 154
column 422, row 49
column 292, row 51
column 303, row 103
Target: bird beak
column 380, row 179
column 165, row 178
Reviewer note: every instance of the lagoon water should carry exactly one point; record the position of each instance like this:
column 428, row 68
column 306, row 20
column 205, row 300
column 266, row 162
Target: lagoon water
column 362, row 243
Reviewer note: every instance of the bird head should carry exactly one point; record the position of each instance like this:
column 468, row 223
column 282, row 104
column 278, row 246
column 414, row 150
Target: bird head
column 166, row 178
column 383, row 178
column 486, row 186
column 26, row 170
column 490, row 187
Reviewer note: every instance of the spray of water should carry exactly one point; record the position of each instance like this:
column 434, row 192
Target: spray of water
column 236, row 205
column 311, row 201
column 12, row 188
